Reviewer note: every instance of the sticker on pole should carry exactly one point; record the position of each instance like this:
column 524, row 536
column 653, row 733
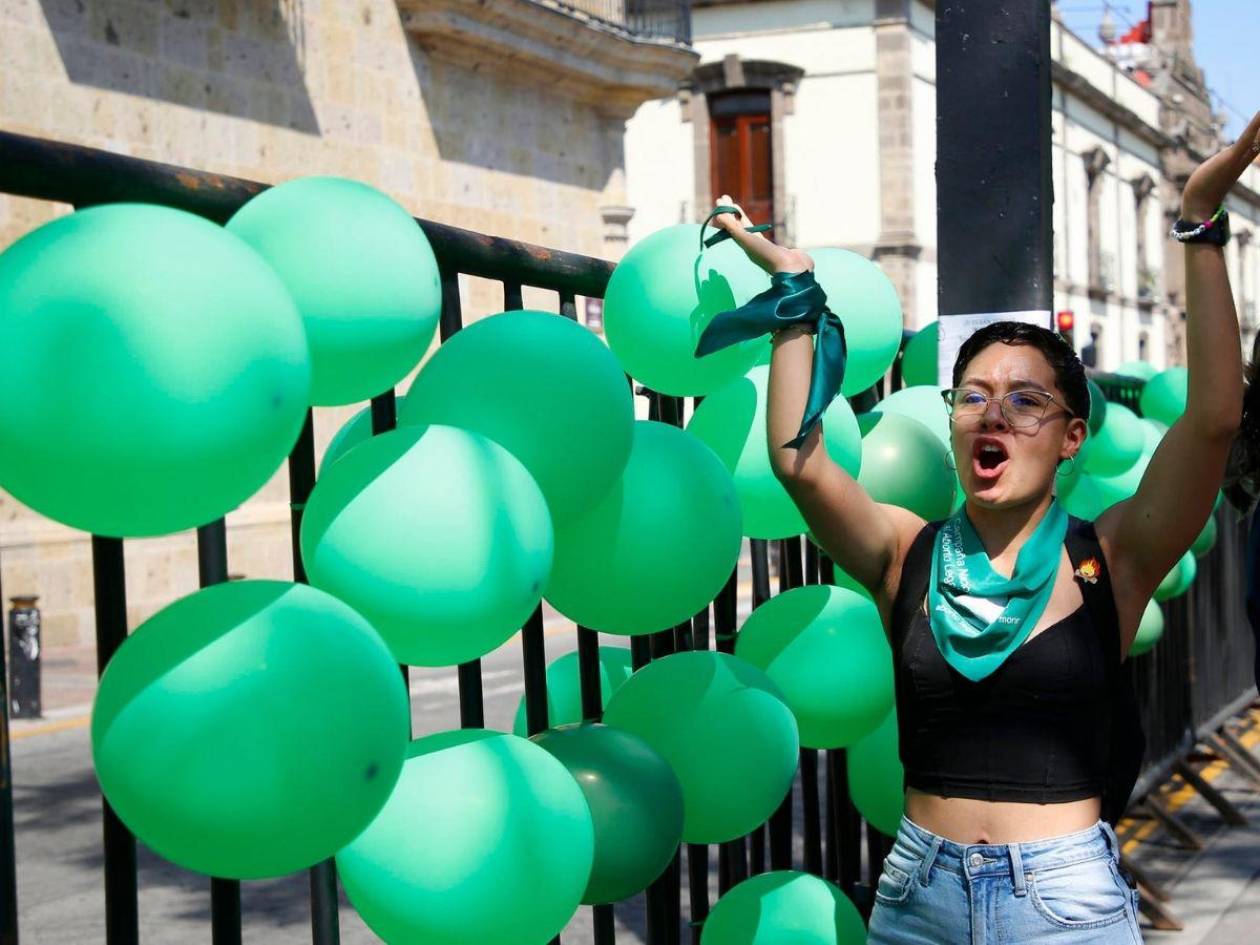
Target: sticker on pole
column 955, row 329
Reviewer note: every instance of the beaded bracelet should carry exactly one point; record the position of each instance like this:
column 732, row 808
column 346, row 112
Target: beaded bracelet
column 1187, row 236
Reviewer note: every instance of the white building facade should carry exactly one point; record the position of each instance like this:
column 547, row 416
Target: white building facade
column 820, row 114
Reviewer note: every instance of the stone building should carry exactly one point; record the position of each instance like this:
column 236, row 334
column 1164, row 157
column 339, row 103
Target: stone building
column 820, row 116
column 501, row 116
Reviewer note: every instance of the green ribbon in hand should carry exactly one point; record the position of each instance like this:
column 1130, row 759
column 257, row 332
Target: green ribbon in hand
column 794, row 298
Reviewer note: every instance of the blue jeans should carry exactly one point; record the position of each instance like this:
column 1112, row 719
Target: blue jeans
column 1061, row 890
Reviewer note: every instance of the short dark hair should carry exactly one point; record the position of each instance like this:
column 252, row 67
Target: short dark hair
column 1069, row 373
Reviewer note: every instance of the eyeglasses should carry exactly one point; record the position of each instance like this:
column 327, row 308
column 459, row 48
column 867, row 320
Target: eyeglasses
column 1020, row 408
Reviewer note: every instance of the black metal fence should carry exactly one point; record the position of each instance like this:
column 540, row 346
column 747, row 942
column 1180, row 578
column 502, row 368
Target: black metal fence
column 1189, row 679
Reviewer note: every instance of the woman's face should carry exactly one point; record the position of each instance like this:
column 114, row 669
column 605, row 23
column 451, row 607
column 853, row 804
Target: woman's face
column 1001, row 464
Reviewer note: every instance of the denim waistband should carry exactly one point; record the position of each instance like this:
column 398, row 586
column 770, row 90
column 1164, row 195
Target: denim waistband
column 1010, row 859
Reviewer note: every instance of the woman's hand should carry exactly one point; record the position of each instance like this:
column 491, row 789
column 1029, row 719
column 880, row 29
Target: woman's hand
column 731, row 221
column 1212, row 180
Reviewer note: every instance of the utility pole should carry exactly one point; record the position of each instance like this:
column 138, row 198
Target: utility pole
column 994, row 193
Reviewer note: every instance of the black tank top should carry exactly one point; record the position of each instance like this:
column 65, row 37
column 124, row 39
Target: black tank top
column 1056, row 722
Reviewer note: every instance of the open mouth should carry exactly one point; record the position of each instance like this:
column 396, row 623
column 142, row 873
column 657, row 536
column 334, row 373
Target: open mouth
column 988, row 458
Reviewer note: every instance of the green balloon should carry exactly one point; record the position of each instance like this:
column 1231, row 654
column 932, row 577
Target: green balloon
column 732, row 421
column 1206, row 540
column 1087, row 498
column 1153, row 433
column 1124, row 485
column 544, row 388
column 1150, row 630
column 1118, row 444
column 1139, row 369
column 564, row 686
column 922, row 403
column 156, row 371
column 868, row 307
column 724, row 728
column 356, row 430
column 486, row 838
column 784, row 908
column 904, row 463
column 362, row 273
column 438, row 536
column 1179, row 579
column 919, row 361
column 1097, row 407
column 1164, row 396
column 825, row 648
column 876, row 777
column 636, row 805
column 251, row 729
column 663, row 294
column 671, row 524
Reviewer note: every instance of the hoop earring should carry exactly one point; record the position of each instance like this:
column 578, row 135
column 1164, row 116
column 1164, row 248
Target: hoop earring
column 950, row 463
column 1071, row 469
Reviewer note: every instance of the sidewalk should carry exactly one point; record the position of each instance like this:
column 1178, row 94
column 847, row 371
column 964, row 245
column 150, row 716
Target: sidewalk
column 1214, row 892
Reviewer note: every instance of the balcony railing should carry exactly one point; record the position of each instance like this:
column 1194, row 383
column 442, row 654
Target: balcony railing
column 649, row 19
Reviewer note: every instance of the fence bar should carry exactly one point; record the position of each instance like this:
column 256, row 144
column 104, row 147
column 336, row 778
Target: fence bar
column 809, row 801
column 831, row 845
column 325, row 924
column 225, row 894
column 8, row 852
column 534, row 654
column 512, row 297
column 588, row 674
column 698, row 887
column 68, row 173
column 640, row 652
column 122, row 919
column 471, row 709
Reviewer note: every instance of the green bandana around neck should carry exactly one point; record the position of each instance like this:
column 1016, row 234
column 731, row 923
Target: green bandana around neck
column 978, row 617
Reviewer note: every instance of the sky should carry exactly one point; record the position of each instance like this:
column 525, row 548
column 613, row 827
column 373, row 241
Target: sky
column 1226, row 40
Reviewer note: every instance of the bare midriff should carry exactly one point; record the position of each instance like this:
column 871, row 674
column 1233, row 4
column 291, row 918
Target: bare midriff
column 968, row 821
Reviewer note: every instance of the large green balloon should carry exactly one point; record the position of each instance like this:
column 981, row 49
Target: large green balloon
column 919, row 361
column 1118, row 444
column 1153, row 432
column 724, row 728
column 658, row 547
column 437, row 535
column 543, row 387
column 1206, row 540
column 564, row 686
column 1142, row 370
column 362, row 273
column 923, row 403
column 356, row 430
column 156, row 371
column 868, row 307
column 904, row 463
column 663, row 294
column 1097, row 407
column 636, row 805
column 251, row 729
column 1150, row 630
column 876, row 777
column 1124, row 485
column 784, row 908
column 826, row 650
column 1179, row 579
column 486, row 838
column 732, row 421
column 1164, row 396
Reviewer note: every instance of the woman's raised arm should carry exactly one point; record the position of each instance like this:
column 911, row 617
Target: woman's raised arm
column 1154, row 528
column 862, row 536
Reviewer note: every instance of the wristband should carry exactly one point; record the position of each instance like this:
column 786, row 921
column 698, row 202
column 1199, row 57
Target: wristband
column 1214, row 230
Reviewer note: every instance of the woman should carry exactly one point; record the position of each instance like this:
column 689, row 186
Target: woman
column 1008, row 622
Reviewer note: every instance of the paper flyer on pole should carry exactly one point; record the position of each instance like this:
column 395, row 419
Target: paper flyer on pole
column 955, row 329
